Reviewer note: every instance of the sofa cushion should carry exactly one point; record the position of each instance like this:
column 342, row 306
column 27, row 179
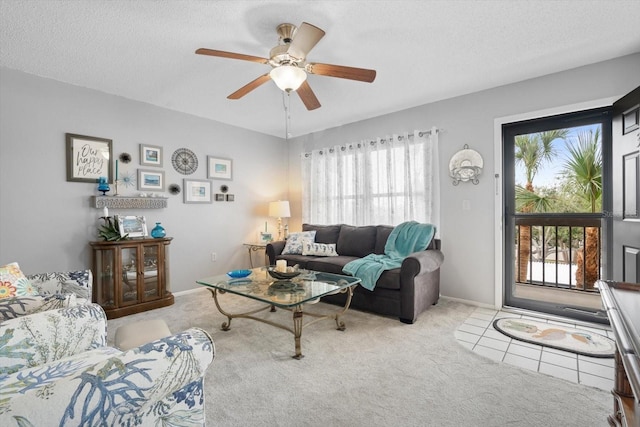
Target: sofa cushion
column 389, row 279
column 356, row 241
column 319, row 249
column 324, row 233
column 293, row 259
column 49, row 335
column 332, row 264
column 13, row 282
column 78, row 282
column 382, row 234
column 295, row 240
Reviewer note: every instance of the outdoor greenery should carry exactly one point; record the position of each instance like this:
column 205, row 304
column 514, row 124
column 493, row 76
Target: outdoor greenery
column 532, row 151
column 577, row 189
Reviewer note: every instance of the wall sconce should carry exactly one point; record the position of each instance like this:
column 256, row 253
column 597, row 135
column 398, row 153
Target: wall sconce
column 465, row 165
column 280, row 209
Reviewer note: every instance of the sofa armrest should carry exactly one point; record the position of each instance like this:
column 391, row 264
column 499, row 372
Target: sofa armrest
column 157, row 383
column 47, row 336
column 78, row 282
column 422, row 262
column 274, row 249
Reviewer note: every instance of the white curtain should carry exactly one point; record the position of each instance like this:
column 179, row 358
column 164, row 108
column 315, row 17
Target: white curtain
column 386, row 181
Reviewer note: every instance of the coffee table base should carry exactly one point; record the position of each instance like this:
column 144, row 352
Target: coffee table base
column 298, row 315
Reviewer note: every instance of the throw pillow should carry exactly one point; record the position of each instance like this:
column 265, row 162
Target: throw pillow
column 294, row 242
column 319, row 249
column 13, row 283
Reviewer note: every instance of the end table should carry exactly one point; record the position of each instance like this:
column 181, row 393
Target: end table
column 254, row 247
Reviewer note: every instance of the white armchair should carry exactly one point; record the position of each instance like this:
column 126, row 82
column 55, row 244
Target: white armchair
column 55, row 369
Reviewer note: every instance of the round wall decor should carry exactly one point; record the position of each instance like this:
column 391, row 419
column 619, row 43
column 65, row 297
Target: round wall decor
column 125, row 157
column 465, row 165
column 184, row 161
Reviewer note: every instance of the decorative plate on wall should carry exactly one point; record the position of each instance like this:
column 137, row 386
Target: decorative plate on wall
column 184, row 161
column 465, row 165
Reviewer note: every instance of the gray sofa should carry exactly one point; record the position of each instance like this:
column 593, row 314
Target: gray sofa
column 404, row 292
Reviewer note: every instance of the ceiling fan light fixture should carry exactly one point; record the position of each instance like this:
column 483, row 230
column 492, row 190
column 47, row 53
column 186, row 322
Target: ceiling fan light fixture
column 288, row 77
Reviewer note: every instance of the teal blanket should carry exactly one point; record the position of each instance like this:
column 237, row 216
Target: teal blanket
column 405, row 239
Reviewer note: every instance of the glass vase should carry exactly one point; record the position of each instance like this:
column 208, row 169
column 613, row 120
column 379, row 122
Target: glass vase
column 158, row 231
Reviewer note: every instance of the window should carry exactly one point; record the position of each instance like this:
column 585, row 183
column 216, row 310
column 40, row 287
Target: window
column 387, row 181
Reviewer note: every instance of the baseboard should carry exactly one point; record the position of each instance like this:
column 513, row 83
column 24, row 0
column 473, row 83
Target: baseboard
column 190, row 291
column 470, row 302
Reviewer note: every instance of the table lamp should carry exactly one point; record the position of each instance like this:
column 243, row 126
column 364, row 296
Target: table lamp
column 280, row 209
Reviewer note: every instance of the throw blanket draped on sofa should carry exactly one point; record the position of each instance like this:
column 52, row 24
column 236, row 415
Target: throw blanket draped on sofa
column 405, row 239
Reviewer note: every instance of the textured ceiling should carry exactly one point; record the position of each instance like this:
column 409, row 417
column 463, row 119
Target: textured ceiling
column 423, row 51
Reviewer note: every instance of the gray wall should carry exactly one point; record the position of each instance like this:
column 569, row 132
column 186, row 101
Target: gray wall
column 468, row 235
column 46, row 222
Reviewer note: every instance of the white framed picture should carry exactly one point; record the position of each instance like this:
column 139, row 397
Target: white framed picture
column 197, row 191
column 133, row 226
column 150, row 180
column 219, row 168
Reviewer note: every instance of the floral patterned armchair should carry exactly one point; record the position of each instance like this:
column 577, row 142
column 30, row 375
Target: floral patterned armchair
column 56, row 369
column 47, row 291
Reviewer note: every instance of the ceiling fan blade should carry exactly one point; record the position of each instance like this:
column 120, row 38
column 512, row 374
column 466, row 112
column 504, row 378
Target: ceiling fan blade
column 249, row 87
column 305, row 38
column 351, row 73
column 308, row 97
column 231, row 55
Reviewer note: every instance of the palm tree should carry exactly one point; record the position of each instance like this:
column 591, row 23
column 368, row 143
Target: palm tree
column 532, row 151
column 584, row 170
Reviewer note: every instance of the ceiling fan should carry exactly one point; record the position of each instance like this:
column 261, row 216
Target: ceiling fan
column 290, row 67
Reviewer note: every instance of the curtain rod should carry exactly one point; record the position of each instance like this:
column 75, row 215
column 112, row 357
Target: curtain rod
column 421, row 133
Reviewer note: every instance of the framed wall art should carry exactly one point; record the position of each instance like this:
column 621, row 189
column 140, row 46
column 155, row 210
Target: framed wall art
column 197, row 191
column 219, row 168
column 150, row 180
column 88, row 158
column 150, row 155
column 134, row 226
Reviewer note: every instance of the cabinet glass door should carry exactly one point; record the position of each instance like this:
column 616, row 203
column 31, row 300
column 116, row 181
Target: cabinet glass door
column 130, row 265
column 104, row 277
column 150, row 272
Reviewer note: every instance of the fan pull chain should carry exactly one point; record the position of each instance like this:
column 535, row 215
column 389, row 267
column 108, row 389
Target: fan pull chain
column 287, row 116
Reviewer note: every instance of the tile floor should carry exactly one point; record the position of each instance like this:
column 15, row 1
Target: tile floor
column 477, row 334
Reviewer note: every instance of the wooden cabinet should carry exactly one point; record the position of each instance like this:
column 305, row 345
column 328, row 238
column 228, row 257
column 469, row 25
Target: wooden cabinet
column 622, row 302
column 131, row 276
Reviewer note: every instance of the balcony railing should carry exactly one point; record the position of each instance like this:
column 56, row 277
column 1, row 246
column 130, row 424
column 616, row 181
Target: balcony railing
column 564, row 250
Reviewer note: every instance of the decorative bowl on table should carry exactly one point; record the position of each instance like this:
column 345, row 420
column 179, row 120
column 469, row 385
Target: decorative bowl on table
column 238, row 274
column 283, row 275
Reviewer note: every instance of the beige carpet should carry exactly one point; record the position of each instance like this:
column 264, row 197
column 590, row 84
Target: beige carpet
column 379, row 372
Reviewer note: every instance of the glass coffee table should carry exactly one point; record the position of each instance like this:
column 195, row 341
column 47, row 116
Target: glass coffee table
column 294, row 295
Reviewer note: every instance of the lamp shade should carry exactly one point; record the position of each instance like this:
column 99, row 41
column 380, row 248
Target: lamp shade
column 288, row 77
column 279, row 209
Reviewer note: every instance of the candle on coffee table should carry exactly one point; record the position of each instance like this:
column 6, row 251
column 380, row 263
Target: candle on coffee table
column 281, row 266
